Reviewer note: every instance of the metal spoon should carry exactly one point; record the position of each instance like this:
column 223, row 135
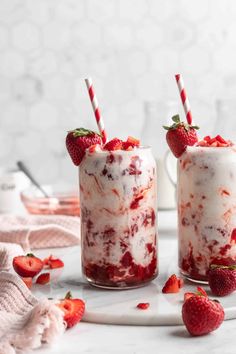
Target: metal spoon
column 25, row 170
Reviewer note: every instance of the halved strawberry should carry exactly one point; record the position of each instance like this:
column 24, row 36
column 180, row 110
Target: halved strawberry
column 73, row 309
column 172, row 285
column 27, row 266
column 28, row 282
column 43, row 279
column 114, row 144
column 78, row 140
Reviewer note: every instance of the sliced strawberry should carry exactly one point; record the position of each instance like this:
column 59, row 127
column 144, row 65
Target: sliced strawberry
column 28, row 282
column 188, row 295
column 171, row 285
column 53, row 262
column 143, row 305
column 73, row 310
column 27, row 266
column 114, row 144
column 43, row 279
column 56, row 263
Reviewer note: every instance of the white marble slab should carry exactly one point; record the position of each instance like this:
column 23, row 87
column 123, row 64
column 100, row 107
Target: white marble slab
column 119, row 306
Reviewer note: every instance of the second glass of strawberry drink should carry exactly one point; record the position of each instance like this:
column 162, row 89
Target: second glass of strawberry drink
column 206, row 190
column 118, row 212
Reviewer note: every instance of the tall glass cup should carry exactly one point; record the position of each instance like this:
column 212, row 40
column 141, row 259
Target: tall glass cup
column 118, row 218
column 206, row 192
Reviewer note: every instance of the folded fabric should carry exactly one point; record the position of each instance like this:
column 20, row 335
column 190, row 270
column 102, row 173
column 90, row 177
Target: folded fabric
column 25, row 322
column 40, row 231
column 7, row 252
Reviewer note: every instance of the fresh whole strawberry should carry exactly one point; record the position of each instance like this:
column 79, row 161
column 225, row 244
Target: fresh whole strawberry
column 27, row 266
column 202, row 315
column 78, row 140
column 222, row 279
column 180, row 135
column 73, row 309
column 114, row 144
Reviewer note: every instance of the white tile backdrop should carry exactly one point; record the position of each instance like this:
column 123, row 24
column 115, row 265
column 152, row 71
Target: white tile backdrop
column 131, row 48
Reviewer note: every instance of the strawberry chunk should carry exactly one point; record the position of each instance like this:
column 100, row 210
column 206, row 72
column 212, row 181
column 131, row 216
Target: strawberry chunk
column 171, row 285
column 114, row 144
column 27, row 266
column 28, row 282
column 73, row 310
column 43, row 279
column 143, row 305
column 53, row 262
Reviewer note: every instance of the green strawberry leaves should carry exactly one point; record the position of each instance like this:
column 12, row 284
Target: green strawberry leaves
column 78, row 132
column 231, row 267
column 177, row 123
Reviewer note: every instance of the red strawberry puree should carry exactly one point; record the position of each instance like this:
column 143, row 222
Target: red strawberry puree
column 118, row 217
column 206, row 209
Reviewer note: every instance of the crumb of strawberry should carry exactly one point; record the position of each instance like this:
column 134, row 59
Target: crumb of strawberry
column 78, row 140
column 202, row 315
column 114, row 144
column 180, row 135
column 43, row 279
column 28, row 282
column 53, row 262
column 172, row 285
column 27, row 266
column 217, row 141
column 222, row 279
column 73, row 309
column 143, row 305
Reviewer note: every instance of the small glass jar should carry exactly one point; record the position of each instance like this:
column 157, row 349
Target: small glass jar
column 206, row 209
column 118, row 218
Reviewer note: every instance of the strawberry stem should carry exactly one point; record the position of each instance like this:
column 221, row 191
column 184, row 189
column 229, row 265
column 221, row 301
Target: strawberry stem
column 68, row 295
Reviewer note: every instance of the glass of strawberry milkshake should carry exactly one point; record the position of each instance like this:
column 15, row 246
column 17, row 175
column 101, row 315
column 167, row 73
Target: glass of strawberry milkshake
column 206, row 207
column 118, row 210
column 118, row 217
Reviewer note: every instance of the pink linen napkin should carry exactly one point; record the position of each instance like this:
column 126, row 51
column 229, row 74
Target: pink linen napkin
column 25, row 322
column 40, row 231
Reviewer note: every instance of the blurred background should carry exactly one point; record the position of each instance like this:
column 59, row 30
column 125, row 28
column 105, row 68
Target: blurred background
column 131, row 49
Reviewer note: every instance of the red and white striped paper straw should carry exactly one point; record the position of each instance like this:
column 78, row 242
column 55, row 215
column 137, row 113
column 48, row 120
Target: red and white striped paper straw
column 184, row 98
column 97, row 112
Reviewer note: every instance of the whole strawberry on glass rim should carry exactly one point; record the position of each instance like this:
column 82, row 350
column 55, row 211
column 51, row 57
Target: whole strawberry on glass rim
column 78, row 140
column 180, row 135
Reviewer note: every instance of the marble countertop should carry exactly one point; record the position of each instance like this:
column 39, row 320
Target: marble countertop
column 101, row 338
